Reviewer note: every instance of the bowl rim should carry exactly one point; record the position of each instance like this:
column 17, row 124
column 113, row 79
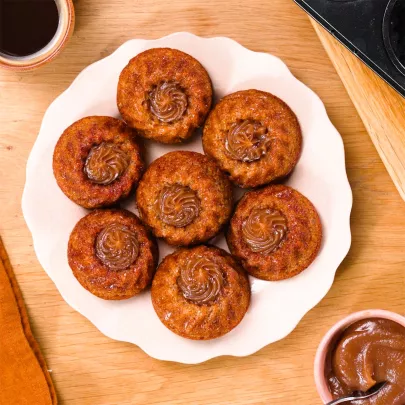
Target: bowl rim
column 321, row 353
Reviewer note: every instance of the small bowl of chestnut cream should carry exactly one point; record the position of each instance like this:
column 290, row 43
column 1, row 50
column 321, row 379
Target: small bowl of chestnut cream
column 362, row 350
column 33, row 32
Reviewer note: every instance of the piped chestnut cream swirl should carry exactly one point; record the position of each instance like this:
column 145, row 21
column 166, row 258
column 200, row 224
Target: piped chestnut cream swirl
column 168, row 102
column 117, row 246
column 178, row 205
column 369, row 352
column 200, row 280
column 247, row 141
column 264, row 230
column 105, row 163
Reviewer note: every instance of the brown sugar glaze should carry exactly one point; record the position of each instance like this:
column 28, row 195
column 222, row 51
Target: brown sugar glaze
column 178, row 205
column 369, row 352
column 117, row 247
column 247, row 141
column 105, row 163
column 200, row 280
column 264, row 230
column 168, row 102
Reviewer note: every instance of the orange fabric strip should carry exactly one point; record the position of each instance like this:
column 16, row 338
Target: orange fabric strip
column 24, row 377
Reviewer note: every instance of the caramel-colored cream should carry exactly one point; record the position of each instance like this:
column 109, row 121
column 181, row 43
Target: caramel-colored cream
column 168, row 102
column 105, row 163
column 264, row 230
column 117, row 246
column 178, row 205
column 247, row 141
column 369, row 352
column 200, row 280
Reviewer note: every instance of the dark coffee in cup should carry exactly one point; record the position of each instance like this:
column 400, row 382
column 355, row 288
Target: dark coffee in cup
column 27, row 26
column 33, row 32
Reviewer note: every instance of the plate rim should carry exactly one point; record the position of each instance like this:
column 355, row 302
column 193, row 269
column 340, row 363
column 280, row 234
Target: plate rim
column 348, row 203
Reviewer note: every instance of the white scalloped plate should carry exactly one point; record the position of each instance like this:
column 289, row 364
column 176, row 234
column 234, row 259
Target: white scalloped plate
column 276, row 307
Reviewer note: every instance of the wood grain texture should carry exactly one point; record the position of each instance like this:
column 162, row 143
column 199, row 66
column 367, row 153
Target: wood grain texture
column 90, row 369
column 380, row 107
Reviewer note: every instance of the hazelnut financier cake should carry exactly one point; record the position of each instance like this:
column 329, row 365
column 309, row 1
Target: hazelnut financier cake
column 184, row 198
column 112, row 254
column 254, row 137
column 97, row 161
column 165, row 94
column 275, row 232
column 200, row 293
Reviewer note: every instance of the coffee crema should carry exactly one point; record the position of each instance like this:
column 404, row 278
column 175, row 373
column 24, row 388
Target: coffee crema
column 247, row 141
column 26, row 27
column 106, row 163
column 117, row 246
column 178, row 205
column 264, row 230
column 370, row 351
column 168, row 102
column 200, row 280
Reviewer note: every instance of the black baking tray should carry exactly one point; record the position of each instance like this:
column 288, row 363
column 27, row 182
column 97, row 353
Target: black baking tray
column 374, row 30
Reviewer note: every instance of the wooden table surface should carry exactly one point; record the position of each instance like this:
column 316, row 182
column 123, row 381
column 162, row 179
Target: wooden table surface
column 89, row 368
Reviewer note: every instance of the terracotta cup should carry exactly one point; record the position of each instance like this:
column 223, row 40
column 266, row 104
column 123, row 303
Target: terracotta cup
column 333, row 335
column 52, row 49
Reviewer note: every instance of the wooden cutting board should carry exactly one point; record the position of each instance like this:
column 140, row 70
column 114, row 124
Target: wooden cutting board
column 381, row 108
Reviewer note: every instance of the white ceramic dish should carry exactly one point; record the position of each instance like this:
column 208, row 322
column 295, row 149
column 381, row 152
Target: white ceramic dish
column 276, row 307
